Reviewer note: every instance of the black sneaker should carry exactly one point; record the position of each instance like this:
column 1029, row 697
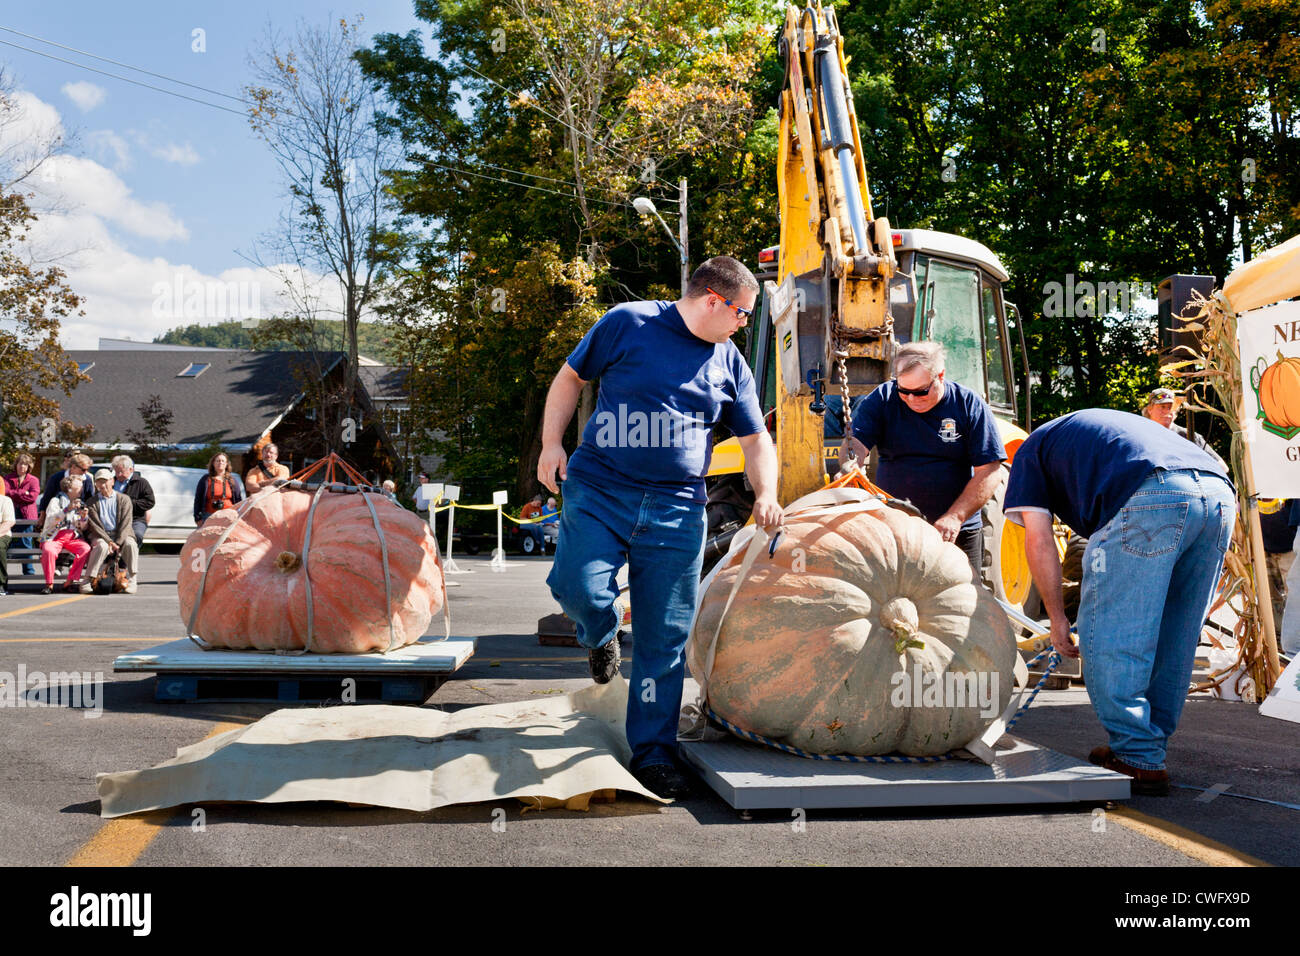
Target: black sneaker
column 664, row 780
column 604, row 661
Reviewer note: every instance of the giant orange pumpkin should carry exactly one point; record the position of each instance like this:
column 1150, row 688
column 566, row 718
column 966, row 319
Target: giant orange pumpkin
column 256, row 591
column 1279, row 392
column 809, row 652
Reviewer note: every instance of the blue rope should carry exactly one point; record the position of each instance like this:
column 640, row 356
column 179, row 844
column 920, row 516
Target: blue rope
column 740, row 732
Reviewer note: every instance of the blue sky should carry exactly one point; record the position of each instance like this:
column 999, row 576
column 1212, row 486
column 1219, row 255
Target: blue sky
column 154, row 188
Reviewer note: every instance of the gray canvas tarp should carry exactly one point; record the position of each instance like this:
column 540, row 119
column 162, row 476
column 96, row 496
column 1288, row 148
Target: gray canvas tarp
column 548, row 752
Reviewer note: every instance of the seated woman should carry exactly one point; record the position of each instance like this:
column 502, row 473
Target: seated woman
column 65, row 521
column 219, row 488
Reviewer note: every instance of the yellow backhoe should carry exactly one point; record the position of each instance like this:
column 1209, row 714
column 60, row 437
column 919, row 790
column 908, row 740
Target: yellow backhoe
column 843, row 289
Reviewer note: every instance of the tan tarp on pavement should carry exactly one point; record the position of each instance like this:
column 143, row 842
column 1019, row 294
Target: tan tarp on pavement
column 1268, row 278
column 548, row 752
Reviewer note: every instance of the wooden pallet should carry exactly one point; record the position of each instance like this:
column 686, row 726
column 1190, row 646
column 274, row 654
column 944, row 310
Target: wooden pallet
column 409, row 674
column 556, row 630
column 239, row 688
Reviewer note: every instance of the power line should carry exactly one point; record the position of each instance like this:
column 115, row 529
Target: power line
column 549, row 179
column 532, row 101
column 237, row 99
column 511, row 182
column 125, row 79
column 93, row 56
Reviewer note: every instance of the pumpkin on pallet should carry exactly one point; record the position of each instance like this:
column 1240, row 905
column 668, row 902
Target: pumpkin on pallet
column 864, row 633
column 301, row 567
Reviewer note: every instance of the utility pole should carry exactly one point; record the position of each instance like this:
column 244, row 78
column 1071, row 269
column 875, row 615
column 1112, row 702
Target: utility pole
column 686, row 259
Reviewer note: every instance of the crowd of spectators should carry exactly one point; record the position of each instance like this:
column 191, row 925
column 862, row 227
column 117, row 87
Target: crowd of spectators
column 94, row 524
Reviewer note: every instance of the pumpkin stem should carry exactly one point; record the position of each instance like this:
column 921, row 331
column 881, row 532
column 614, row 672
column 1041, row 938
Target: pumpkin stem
column 287, row 561
column 899, row 615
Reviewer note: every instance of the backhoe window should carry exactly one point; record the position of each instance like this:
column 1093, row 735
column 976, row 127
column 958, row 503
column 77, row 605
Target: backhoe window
column 952, row 309
column 997, row 366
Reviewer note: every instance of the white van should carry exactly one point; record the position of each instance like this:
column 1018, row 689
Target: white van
column 172, row 517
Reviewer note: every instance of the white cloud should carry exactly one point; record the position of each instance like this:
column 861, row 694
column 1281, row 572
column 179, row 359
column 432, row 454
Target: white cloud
column 168, row 152
column 29, row 128
column 86, row 95
column 91, row 188
column 104, row 143
column 173, row 153
column 85, row 207
column 127, row 296
column 130, row 297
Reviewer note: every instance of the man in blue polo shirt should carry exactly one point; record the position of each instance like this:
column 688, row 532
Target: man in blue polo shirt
column 634, row 488
column 938, row 442
column 1158, row 514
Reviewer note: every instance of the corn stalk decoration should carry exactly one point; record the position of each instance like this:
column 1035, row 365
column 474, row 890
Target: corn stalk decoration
column 1212, row 379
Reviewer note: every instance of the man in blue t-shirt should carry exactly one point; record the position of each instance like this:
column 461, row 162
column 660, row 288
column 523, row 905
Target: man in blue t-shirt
column 938, row 442
column 1158, row 514
column 634, row 488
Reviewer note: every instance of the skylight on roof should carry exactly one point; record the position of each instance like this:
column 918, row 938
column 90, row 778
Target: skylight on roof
column 194, row 370
column 84, row 367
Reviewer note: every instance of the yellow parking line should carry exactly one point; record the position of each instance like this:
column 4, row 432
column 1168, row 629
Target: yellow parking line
column 120, row 842
column 1185, row 841
column 42, row 607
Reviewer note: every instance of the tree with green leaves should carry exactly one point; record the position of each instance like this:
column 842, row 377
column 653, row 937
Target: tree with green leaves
column 519, row 199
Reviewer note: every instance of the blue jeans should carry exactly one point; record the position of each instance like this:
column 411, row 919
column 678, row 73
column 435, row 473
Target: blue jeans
column 26, row 541
column 1149, row 577
column 661, row 539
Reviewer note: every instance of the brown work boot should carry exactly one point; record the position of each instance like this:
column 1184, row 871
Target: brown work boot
column 1147, row 783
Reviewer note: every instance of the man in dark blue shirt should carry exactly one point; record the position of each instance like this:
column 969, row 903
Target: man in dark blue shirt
column 938, row 442
column 1158, row 514
column 634, row 488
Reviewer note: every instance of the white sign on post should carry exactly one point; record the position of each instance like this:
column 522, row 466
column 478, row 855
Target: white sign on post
column 499, row 555
column 427, row 494
column 1269, row 342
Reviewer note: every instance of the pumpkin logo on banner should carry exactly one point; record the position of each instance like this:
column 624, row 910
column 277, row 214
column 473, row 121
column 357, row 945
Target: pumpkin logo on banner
column 1269, row 340
column 1277, row 392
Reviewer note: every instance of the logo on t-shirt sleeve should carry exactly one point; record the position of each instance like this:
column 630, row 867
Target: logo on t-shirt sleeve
column 948, row 430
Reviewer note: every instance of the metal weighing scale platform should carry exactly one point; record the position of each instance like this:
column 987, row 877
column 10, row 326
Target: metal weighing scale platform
column 409, row 674
column 753, row 777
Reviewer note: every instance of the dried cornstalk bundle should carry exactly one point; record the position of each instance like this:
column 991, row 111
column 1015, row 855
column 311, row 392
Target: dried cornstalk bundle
column 1212, row 381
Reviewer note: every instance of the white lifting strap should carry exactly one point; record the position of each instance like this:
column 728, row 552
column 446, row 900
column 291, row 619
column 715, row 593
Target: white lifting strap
column 306, row 577
column 388, row 584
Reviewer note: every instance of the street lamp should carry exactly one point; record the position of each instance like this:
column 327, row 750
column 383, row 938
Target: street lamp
column 647, row 208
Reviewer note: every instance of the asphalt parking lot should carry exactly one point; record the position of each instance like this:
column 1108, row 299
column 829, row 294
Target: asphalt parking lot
column 49, row 812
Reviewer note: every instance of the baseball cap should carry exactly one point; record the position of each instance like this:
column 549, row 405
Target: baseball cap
column 103, row 473
column 1161, row 396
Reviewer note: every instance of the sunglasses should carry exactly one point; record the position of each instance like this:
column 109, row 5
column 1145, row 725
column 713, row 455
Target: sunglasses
column 914, row 392
column 743, row 313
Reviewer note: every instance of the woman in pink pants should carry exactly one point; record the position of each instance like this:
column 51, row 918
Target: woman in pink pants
column 65, row 520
